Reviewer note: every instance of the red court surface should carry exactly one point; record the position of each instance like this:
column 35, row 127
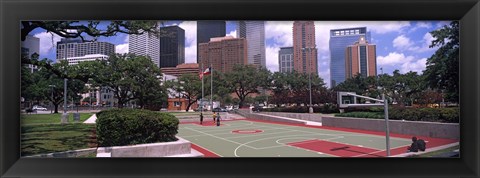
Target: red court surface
column 332, row 148
column 204, row 151
column 329, row 147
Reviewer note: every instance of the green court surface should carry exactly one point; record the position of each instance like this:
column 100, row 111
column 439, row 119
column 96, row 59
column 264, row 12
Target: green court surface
column 254, row 138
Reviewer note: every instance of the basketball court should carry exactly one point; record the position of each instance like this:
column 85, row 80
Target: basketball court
column 258, row 138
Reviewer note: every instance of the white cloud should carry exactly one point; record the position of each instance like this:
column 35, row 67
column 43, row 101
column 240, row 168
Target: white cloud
column 121, row 48
column 402, row 42
column 280, row 32
column 404, row 63
column 271, row 54
column 414, row 65
column 232, row 34
column 393, row 59
column 325, row 75
column 190, row 28
column 191, row 54
column 48, row 42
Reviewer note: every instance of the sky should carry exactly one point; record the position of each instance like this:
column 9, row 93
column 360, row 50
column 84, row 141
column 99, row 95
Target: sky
column 402, row 45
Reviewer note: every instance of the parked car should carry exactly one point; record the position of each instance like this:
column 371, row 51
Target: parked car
column 219, row 110
column 39, row 108
column 199, row 109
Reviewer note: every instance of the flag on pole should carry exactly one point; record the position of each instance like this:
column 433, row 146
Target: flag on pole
column 201, row 75
column 207, row 71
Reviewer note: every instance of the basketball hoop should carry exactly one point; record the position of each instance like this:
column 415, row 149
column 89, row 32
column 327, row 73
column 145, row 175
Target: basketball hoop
column 349, row 99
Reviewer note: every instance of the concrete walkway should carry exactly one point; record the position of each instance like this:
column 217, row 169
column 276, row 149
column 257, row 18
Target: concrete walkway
column 287, row 118
column 91, row 120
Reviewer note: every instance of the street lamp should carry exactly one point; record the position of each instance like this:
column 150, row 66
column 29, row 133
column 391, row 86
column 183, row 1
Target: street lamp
column 64, row 118
column 310, row 109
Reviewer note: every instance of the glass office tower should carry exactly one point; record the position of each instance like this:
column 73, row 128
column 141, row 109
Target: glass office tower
column 340, row 39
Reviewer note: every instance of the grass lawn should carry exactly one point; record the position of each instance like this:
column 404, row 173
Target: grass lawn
column 49, row 138
column 43, row 133
column 28, row 119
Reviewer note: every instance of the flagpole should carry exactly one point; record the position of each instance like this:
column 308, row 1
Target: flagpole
column 201, row 101
column 211, row 87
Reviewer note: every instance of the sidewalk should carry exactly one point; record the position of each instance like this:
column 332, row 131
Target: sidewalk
column 91, row 120
column 299, row 120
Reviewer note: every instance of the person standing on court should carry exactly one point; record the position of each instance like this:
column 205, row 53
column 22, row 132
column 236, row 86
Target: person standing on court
column 214, row 116
column 218, row 119
column 201, row 118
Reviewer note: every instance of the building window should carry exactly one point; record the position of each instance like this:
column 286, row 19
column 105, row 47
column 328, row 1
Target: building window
column 177, row 103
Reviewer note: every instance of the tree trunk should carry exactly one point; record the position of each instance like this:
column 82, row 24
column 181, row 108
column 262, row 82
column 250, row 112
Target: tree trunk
column 188, row 107
column 56, row 108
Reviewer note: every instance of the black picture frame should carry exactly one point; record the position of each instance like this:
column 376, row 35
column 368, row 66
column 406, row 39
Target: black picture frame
column 12, row 12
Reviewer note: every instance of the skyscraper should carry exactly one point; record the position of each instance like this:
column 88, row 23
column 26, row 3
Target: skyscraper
column 361, row 59
column 339, row 40
column 222, row 53
column 254, row 33
column 172, row 46
column 146, row 44
column 285, row 59
column 304, row 47
column 30, row 46
column 209, row 29
column 78, row 48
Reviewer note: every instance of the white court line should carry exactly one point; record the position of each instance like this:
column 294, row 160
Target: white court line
column 205, row 149
column 252, row 135
column 286, row 128
column 246, row 144
column 219, row 137
column 245, row 135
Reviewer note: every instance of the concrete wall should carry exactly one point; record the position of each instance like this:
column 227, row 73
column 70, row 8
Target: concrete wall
column 179, row 147
column 247, row 114
column 302, row 116
column 429, row 129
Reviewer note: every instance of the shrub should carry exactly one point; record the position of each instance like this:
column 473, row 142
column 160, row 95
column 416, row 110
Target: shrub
column 450, row 115
column 374, row 115
column 119, row 127
column 326, row 108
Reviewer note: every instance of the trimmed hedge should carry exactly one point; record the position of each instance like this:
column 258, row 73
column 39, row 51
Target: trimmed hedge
column 120, row 127
column 447, row 115
column 326, row 109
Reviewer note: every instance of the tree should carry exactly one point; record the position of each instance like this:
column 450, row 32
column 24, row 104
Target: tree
column 145, row 81
column 246, row 79
column 83, row 30
column 190, row 86
column 443, row 66
column 49, row 86
column 114, row 74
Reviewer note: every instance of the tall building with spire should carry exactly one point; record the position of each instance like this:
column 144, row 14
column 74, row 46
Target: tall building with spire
column 254, row 33
column 340, row 39
column 304, row 47
column 361, row 59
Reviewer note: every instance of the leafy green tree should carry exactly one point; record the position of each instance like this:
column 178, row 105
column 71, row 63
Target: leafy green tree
column 49, row 86
column 246, row 79
column 443, row 66
column 87, row 31
column 115, row 74
column 145, row 81
column 190, row 86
